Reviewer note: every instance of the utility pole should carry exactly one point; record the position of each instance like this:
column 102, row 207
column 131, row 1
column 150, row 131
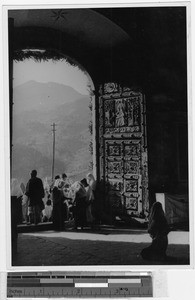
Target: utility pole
column 53, row 160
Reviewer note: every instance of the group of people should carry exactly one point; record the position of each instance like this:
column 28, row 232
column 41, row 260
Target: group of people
column 79, row 202
column 74, row 201
column 63, row 201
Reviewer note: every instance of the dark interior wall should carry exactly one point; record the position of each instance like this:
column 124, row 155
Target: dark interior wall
column 153, row 57
column 167, row 135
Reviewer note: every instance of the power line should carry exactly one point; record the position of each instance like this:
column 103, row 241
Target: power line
column 53, row 159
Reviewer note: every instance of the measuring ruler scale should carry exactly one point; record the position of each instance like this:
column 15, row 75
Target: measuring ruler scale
column 79, row 284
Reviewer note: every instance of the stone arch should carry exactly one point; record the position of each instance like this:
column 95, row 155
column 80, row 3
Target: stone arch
column 90, row 38
column 58, row 32
column 99, row 45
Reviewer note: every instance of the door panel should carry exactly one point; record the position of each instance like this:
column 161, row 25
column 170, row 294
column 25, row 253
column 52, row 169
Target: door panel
column 123, row 152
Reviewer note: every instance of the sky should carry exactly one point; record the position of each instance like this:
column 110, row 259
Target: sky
column 49, row 71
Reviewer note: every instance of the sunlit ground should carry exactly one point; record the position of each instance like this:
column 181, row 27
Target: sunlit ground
column 104, row 247
column 180, row 238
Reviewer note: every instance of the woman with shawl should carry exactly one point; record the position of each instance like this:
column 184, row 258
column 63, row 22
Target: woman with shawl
column 91, row 182
column 89, row 200
column 95, row 206
column 58, row 213
column 79, row 204
column 158, row 229
column 16, row 196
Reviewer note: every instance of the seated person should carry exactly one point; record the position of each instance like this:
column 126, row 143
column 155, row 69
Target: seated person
column 47, row 212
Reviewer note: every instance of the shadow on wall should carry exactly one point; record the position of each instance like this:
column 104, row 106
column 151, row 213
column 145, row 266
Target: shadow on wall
column 110, row 209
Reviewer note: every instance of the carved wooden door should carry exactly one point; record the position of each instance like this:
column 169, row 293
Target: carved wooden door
column 123, row 149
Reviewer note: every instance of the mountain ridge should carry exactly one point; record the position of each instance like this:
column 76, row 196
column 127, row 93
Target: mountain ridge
column 33, row 94
column 32, row 135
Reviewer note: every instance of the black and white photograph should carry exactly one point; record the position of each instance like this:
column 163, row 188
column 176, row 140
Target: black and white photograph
column 99, row 108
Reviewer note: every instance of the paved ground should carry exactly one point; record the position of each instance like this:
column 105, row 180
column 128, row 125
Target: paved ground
column 103, row 247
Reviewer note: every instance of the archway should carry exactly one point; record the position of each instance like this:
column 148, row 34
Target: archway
column 59, row 38
column 50, row 92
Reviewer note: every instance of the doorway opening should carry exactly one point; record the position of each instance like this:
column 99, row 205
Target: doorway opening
column 47, row 92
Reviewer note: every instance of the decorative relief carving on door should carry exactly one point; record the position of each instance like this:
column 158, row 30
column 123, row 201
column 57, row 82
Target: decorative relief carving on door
column 114, row 150
column 131, row 186
column 120, row 113
column 131, row 167
column 132, row 150
column 122, row 144
column 131, row 203
column 109, row 113
column 114, row 167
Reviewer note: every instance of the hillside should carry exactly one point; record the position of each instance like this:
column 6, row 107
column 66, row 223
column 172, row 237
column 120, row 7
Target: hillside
column 42, row 96
column 32, row 135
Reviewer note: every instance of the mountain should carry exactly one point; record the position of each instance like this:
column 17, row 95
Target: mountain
column 42, row 96
column 32, row 131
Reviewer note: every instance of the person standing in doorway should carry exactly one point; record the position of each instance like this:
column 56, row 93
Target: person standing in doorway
column 79, row 205
column 89, row 200
column 94, row 199
column 35, row 192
